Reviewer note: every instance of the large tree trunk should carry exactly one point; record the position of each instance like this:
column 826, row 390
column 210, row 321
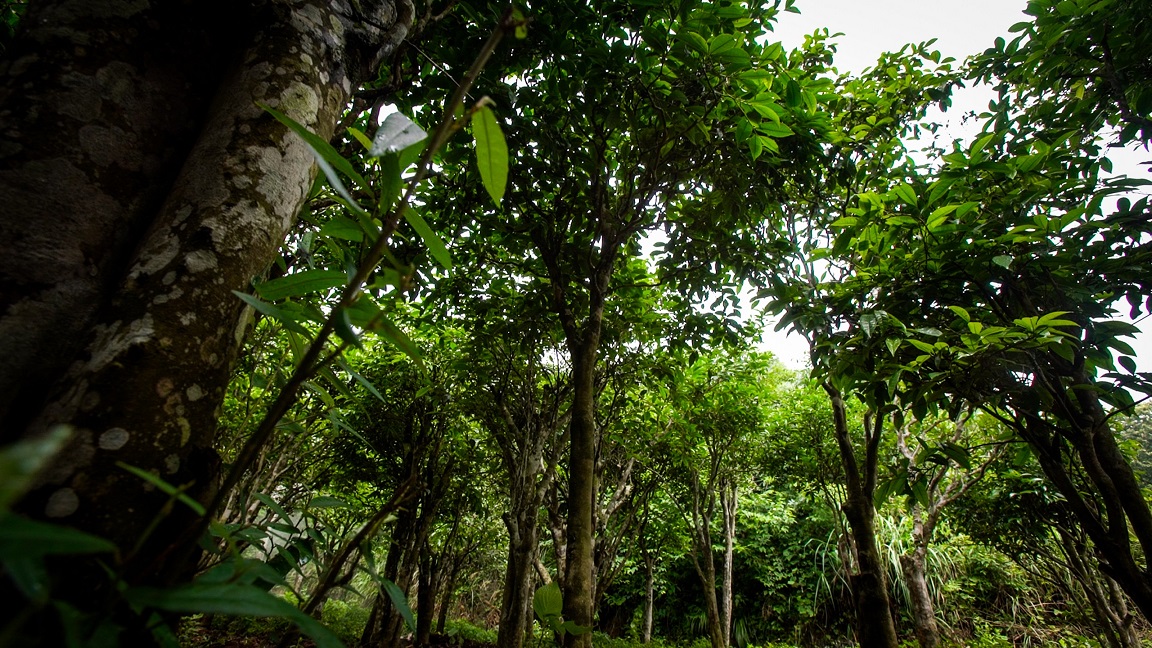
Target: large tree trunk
column 141, row 185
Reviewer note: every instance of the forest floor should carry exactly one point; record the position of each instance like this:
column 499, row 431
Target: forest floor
column 203, row 632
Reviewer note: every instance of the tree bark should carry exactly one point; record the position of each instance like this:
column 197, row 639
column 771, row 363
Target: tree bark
column 920, row 599
column 728, row 506
column 516, row 602
column 874, row 625
column 143, row 185
column 579, row 583
column 425, row 597
column 649, row 597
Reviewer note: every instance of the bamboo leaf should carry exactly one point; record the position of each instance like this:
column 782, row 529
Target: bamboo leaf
column 301, row 283
column 435, row 245
column 400, row 602
column 271, row 311
column 491, row 152
column 230, row 598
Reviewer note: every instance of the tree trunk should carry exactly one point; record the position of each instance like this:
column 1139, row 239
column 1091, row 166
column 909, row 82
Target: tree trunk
column 920, row 599
column 516, row 603
column 425, row 597
column 382, row 609
column 579, row 583
column 707, row 574
column 142, row 185
column 649, row 597
column 874, row 625
column 728, row 505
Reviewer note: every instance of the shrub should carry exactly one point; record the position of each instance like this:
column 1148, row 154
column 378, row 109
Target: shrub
column 346, row 620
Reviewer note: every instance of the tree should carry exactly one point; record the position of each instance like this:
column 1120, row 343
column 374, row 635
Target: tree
column 813, row 286
column 723, row 399
column 684, row 103
column 119, row 319
column 926, row 476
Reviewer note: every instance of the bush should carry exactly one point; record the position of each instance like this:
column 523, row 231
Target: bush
column 467, row 632
column 346, row 620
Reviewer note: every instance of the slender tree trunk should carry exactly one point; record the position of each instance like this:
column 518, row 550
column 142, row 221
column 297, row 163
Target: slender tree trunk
column 141, row 185
column 579, row 584
column 1114, row 621
column 425, row 597
column 382, row 611
column 649, row 597
column 920, row 599
column 707, row 574
column 516, row 603
column 874, row 625
column 728, row 504
column 1124, row 513
column 700, row 522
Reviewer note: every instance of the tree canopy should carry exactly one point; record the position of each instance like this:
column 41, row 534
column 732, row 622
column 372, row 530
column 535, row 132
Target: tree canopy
column 370, row 318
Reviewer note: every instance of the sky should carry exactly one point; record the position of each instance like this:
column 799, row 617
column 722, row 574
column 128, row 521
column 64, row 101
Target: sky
column 962, row 28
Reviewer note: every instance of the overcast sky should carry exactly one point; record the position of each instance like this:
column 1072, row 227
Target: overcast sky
column 962, row 28
column 870, row 27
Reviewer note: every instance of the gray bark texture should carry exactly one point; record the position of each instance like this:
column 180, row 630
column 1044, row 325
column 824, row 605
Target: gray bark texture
column 140, row 184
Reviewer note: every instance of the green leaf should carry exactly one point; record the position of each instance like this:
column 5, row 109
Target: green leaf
column 399, row 338
column 271, row 311
column 30, row 576
column 521, row 22
column 957, row 453
column 906, row 194
column 21, row 538
column 772, row 129
column 920, row 492
column 491, row 153
column 400, row 602
column 175, row 491
column 343, row 326
column 324, row 501
column 792, row 94
column 342, row 227
column 721, row 43
column 20, row 462
column 301, row 283
column 435, row 246
column 961, row 313
column 893, row 345
column 391, row 181
column 1003, row 260
column 271, row 503
column 229, row 598
column 548, row 601
column 359, row 136
column 364, row 382
column 571, row 628
column 694, row 41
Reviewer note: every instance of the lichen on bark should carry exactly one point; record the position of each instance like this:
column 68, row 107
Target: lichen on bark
column 179, row 191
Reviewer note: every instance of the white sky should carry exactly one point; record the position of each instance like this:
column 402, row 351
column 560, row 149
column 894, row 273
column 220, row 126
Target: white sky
column 962, row 28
